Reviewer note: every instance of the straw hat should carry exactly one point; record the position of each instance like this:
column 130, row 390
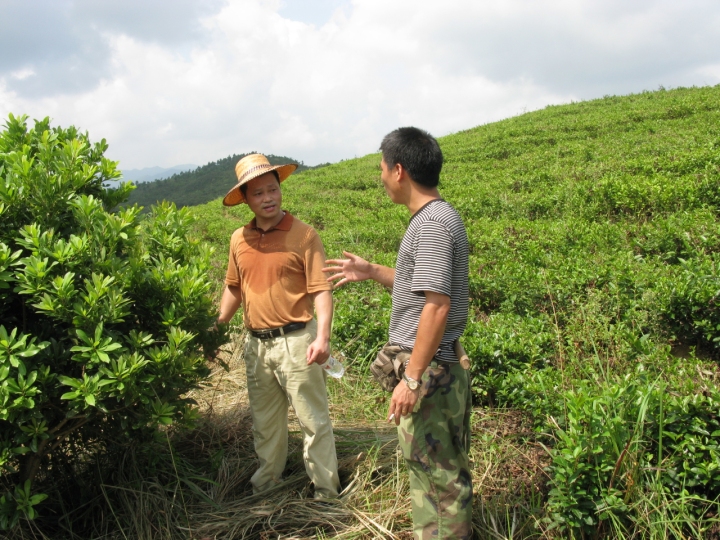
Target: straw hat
column 252, row 166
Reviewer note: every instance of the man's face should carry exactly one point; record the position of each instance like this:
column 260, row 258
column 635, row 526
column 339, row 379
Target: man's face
column 386, row 176
column 264, row 197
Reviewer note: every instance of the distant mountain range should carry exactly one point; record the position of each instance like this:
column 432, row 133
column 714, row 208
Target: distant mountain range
column 148, row 174
column 191, row 187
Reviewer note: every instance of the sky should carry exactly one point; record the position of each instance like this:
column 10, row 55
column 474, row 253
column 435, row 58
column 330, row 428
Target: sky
column 192, row 81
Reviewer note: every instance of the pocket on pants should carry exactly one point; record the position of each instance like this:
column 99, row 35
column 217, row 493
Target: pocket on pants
column 298, row 342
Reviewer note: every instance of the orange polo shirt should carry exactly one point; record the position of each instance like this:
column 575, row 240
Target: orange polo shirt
column 277, row 271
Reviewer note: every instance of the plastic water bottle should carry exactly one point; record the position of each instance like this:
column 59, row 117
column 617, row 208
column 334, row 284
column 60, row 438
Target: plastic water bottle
column 333, row 367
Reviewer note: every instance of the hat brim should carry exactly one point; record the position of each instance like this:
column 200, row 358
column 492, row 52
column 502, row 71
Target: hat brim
column 235, row 196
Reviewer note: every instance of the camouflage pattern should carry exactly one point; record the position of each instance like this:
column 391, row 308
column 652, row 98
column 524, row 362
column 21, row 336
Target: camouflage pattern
column 435, row 441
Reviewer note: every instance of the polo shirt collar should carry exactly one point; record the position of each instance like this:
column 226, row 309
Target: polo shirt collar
column 284, row 225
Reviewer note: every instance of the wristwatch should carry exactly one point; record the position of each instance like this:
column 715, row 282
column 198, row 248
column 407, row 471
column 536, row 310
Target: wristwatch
column 412, row 383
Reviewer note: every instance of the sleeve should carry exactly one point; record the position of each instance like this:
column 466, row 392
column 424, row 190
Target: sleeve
column 232, row 276
column 314, row 263
column 433, row 259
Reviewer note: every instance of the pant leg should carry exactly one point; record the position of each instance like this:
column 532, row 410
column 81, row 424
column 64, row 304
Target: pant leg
column 434, row 441
column 269, row 408
column 305, row 387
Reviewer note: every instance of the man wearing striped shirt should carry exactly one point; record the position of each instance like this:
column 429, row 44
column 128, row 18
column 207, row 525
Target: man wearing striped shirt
column 429, row 312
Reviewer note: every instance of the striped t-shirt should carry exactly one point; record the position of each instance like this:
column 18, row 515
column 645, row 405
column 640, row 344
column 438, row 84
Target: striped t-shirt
column 433, row 256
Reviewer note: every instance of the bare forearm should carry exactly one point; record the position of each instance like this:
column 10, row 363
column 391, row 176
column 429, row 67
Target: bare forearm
column 382, row 274
column 323, row 312
column 230, row 301
column 429, row 335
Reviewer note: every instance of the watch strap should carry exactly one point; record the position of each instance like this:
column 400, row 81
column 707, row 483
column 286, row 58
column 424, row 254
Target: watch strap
column 411, row 382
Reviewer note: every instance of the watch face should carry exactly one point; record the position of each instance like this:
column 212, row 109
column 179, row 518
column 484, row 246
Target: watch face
column 412, row 383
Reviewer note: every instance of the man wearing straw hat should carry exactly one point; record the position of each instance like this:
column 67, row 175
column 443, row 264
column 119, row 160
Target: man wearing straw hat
column 431, row 405
column 275, row 273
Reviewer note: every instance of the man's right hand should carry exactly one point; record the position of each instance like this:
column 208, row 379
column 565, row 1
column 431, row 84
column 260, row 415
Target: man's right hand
column 353, row 268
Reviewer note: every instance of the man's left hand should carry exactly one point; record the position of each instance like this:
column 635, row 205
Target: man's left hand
column 318, row 351
column 402, row 403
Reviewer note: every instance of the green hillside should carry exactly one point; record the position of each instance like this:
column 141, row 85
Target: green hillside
column 198, row 186
column 595, row 283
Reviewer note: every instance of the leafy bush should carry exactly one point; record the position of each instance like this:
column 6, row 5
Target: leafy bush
column 503, row 344
column 361, row 319
column 589, row 471
column 103, row 317
column 679, row 236
column 691, row 307
column 621, row 441
column 690, row 449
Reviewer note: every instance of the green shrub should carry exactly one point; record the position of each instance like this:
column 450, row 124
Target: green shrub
column 642, row 195
column 691, row 444
column 504, row 343
column 589, row 472
column 619, row 443
column 361, row 319
column 103, row 317
column 709, row 185
column 678, row 236
column 691, row 303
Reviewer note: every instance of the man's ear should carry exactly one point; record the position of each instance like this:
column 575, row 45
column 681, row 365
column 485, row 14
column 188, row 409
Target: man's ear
column 399, row 171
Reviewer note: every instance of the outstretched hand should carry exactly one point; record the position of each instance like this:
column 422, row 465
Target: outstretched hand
column 353, row 268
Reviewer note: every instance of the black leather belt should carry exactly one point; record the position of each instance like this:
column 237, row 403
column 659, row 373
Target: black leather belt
column 275, row 332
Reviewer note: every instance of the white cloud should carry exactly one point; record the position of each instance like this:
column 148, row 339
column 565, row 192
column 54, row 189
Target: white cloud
column 253, row 79
column 22, row 74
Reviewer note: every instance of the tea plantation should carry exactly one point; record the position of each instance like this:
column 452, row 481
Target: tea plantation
column 595, row 291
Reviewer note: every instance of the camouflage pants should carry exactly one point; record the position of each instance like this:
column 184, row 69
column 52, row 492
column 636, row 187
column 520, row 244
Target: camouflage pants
column 435, row 440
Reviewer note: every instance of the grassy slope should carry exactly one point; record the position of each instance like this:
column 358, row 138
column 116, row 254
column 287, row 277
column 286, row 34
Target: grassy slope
column 558, row 203
column 594, row 275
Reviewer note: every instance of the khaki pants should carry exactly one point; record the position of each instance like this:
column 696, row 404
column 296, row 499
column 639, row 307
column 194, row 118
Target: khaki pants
column 278, row 376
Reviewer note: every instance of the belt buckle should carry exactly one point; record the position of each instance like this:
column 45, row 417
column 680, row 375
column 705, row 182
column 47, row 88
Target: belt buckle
column 265, row 335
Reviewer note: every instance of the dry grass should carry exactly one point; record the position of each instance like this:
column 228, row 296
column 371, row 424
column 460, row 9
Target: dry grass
column 198, row 484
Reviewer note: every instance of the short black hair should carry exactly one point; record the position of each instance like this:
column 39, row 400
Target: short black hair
column 417, row 151
column 244, row 187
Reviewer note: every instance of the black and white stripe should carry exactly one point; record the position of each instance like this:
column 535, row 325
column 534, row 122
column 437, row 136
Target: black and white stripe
column 433, row 256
